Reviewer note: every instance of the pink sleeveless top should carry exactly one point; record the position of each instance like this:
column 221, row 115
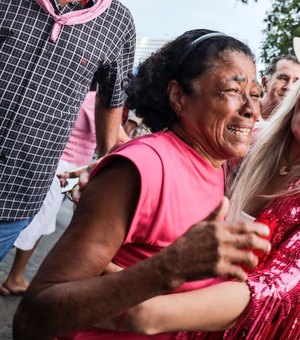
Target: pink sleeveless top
column 178, row 189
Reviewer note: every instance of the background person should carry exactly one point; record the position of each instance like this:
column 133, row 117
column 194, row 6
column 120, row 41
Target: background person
column 51, row 50
column 134, row 126
column 78, row 151
column 201, row 94
column 277, row 80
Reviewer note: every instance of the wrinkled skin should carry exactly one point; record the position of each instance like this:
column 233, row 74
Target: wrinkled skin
column 219, row 118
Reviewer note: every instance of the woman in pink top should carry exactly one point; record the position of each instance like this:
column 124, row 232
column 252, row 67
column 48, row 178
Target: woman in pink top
column 267, row 190
column 151, row 207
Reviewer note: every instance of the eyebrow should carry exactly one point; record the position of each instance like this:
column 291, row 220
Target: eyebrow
column 236, row 78
column 241, row 79
column 283, row 75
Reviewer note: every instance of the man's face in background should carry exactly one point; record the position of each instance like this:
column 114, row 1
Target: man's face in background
column 277, row 85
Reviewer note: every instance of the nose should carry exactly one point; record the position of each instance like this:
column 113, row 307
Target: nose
column 249, row 109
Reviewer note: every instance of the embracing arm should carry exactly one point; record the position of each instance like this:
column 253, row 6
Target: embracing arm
column 273, row 307
column 209, row 309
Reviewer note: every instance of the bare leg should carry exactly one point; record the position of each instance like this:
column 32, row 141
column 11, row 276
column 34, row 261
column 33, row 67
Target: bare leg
column 16, row 283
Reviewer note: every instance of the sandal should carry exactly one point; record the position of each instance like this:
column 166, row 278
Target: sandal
column 5, row 291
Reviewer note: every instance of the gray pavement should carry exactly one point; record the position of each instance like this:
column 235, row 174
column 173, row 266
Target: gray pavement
column 9, row 304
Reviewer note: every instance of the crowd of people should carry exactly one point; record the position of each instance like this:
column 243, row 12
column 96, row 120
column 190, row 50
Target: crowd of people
column 196, row 213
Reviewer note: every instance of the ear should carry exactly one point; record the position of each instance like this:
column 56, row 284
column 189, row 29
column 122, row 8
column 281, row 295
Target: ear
column 176, row 97
column 264, row 83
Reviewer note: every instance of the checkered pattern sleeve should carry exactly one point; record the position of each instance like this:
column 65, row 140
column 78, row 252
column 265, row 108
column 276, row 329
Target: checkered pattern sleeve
column 110, row 76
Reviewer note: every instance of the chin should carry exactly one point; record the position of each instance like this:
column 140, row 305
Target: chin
column 240, row 152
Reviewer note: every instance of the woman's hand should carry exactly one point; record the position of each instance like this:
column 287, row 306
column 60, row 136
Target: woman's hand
column 209, row 248
column 212, row 248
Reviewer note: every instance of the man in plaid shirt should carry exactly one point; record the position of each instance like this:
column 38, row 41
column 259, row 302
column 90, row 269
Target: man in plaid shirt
column 50, row 52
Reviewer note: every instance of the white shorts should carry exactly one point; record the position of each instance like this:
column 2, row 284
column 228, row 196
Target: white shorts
column 44, row 222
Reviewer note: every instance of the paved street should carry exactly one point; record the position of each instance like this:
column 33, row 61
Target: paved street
column 9, row 304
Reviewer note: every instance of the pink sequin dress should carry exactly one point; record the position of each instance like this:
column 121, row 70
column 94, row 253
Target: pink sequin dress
column 274, row 310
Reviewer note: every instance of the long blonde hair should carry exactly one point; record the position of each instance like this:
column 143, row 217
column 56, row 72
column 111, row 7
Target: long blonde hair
column 259, row 166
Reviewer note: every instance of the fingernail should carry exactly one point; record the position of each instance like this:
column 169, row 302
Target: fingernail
column 266, row 230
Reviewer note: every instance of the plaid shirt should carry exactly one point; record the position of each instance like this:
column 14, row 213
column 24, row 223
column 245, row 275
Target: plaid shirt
column 42, row 85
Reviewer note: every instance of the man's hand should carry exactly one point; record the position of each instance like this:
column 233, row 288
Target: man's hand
column 83, row 174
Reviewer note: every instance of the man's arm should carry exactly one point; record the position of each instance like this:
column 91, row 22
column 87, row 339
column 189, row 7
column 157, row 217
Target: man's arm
column 107, row 123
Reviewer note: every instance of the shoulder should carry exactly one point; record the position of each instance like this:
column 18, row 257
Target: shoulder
column 152, row 153
column 118, row 10
column 142, row 152
column 144, row 156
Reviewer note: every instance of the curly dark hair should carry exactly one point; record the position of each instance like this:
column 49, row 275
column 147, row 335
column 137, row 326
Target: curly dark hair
column 147, row 91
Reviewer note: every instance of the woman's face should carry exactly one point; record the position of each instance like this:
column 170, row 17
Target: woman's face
column 295, row 126
column 221, row 115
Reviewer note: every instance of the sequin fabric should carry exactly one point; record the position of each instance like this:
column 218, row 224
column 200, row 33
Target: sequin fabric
column 274, row 310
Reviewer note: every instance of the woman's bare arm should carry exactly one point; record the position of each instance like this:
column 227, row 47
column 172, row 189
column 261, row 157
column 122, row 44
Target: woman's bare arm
column 211, row 309
column 68, row 284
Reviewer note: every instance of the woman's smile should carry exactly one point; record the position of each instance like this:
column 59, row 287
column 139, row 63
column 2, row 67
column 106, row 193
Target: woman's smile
column 239, row 131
